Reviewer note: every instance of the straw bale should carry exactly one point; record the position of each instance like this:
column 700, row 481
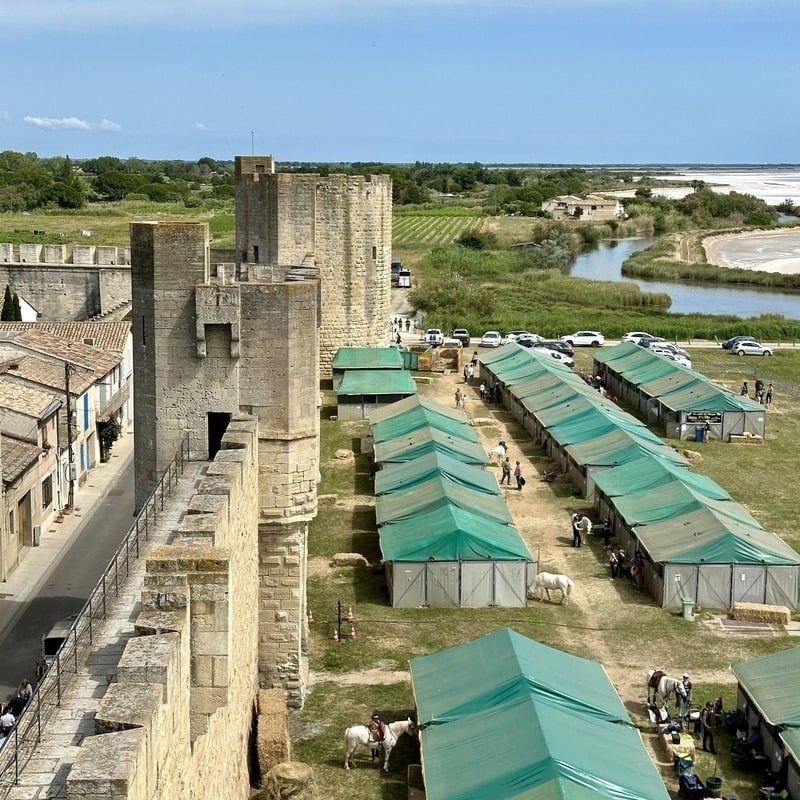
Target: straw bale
column 760, row 612
column 349, row 560
column 272, row 730
column 292, row 780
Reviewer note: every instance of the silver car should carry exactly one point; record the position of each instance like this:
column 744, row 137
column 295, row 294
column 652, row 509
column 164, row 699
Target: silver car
column 746, row 348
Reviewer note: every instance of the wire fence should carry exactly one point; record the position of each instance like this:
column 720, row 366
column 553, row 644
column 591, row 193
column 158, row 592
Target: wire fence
column 21, row 743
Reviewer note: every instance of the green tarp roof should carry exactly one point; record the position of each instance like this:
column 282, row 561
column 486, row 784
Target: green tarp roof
column 416, row 401
column 376, row 382
column 429, row 440
column 511, row 718
column 651, row 473
column 773, row 682
column 707, row 537
column 498, row 354
column 791, row 739
column 617, row 447
column 595, row 422
column 421, row 417
column 394, row 477
column 678, row 388
column 676, row 499
column 537, row 385
column 367, row 358
column 451, row 534
column 702, row 396
column 437, row 492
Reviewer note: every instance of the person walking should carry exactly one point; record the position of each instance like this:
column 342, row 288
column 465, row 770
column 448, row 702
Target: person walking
column 458, row 397
column 519, row 477
column 607, row 532
column 584, row 529
column 483, row 391
column 506, row 467
column 613, row 563
column 744, row 391
column 576, row 529
column 706, row 716
column 470, row 373
column 768, row 396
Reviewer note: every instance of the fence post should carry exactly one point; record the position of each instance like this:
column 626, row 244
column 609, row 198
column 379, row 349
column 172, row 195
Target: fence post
column 91, row 640
column 58, row 679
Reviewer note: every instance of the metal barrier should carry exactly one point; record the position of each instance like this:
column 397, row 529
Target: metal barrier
column 19, row 746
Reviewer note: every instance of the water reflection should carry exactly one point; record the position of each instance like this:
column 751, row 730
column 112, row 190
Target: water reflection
column 605, row 264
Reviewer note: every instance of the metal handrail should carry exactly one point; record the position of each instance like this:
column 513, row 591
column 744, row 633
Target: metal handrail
column 21, row 743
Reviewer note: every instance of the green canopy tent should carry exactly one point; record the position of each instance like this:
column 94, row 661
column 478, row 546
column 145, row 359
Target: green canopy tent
column 420, row 417
column 454, row 557
column 437, row 492
column 364, row 358
column 769, row 692
column 361, row 391
column 428, row 440
column 395, row 477
column 578, row 743
column 416, row 401
column 717, row 559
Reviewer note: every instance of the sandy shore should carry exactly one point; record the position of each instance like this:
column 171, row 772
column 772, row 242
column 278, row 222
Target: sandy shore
column 751, row 251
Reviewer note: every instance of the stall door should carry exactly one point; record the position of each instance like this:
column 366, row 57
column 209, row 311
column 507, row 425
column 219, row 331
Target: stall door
column 714, row 586
column 442, row 584
column 749, row 583
column 477, row 582
column 783, row 587
column 408, row 586
column 511, row 584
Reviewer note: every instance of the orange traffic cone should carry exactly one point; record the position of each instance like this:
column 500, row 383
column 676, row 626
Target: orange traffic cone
column 352, row 631
column 335, row 634
column 309, row 616
column 349, row 616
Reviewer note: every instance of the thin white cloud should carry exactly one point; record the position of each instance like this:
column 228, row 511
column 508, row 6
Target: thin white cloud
column 72, row 123
column 3, row 114
column 200, row 126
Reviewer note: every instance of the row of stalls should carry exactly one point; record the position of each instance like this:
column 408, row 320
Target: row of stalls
column 685, row 403
column 447, row 538
column 368, row 378
column 698, row 542
column 769, row 696
column 506, row 717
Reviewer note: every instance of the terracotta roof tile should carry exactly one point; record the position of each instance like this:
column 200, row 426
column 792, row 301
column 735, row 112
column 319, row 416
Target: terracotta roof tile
column 47, row 374
column 18, row 396
column 109, row 336
column 17, row 456
column 47, row 344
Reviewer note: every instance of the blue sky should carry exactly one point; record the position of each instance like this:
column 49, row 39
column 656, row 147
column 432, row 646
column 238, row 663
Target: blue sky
column 515, row 81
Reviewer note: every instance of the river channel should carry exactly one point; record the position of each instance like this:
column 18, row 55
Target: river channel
column 605, row 264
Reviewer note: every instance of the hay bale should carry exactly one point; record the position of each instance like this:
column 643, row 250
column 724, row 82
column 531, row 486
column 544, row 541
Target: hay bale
column 686, row 748
column 762, row 613
column 349, row 560
column 272, row 730
column 692, row 455
column 342, row 454
column 483, row 422
column 292, row 780
column 327, row 500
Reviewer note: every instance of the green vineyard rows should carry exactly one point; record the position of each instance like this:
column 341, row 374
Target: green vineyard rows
column 411, row 231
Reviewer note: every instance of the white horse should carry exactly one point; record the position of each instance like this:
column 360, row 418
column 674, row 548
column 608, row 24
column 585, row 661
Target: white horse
column 360, row 734
column 660, row 685
column 548, row 581
column 499, row 451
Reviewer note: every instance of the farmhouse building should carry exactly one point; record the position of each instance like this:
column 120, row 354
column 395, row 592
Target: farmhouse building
column 589, row 208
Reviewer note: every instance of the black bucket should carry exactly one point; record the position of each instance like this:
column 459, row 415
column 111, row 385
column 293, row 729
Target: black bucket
column 713, row 787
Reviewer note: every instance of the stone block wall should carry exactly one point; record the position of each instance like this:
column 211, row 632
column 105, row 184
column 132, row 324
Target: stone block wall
column 177, row 724
column 342, row 224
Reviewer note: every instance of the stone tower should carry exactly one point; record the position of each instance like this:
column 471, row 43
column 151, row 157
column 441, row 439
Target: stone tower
column 211, row 342
column 341, row 224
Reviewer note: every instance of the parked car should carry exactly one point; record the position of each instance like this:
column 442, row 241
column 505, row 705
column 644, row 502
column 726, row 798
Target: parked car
column 511, row 336
column 635, row 336
column 528, row 339
column 555, row 344
column 684, row 361
column 562, row 358
column 462, row 334
column 747, row 348
column 491, row 339
column 649, row 341
column 584, row 339
column 433, row 336
column 669, row 347
column 729, row 344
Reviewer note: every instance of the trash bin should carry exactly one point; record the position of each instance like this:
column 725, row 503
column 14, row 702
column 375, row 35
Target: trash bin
column 688, row 607
column 699, row 433
column 713, row 786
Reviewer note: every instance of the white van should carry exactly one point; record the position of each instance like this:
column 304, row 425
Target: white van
column 55, row 637
column 404, row 279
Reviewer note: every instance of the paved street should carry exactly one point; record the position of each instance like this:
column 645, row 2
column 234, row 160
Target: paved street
column 53, row 581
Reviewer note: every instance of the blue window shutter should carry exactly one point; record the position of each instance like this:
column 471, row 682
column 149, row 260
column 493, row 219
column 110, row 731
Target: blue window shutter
column 86, row 412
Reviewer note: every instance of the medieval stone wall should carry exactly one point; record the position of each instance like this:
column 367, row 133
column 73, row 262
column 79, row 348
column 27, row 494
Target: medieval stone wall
column 342, row 224
column 177, row 723
column 67, row 282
